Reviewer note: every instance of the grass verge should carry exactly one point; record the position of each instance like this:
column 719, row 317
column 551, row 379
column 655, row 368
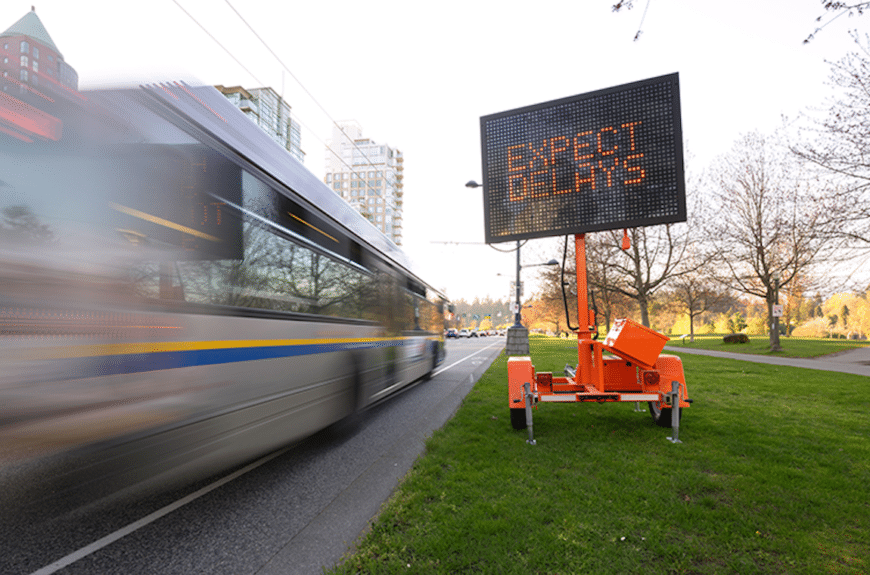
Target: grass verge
column 759, row 344
column 773, row 477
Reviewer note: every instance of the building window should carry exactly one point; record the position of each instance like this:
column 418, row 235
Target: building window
column 35, row 66
column 35, row 52
column 5, row 60
column 23, row 76
column 25, row 47
column 24, row 62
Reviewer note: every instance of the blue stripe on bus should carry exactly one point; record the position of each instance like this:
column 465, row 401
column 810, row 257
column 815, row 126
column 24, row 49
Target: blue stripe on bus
column 137, row 363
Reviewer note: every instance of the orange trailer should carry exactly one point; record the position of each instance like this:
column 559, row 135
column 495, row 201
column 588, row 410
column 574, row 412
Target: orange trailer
column 627, row 366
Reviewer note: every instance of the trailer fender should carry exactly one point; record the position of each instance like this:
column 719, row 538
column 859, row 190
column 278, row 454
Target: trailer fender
column 520, row 372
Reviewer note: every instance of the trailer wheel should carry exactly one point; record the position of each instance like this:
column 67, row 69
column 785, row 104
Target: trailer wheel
column 518, row 418
column 661, row 415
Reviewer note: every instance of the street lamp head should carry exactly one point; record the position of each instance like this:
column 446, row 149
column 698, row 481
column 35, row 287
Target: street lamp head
column 473, row 184
column 549, row 263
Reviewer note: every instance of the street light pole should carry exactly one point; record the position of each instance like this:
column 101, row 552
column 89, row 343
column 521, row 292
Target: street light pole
column 517, row 336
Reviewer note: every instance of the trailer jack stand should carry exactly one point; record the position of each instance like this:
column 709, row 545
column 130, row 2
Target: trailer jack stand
column 528, row 395
column 675, row 412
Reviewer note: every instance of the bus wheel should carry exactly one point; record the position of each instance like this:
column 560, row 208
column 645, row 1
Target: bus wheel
column 518, row 418
column 431, row 372
column 661, row 415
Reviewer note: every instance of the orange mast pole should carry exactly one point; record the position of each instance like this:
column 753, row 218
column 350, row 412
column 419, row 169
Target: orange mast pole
column 584, row 335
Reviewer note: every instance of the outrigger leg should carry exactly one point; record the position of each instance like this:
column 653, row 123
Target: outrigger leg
column 675, row 412
column 528, row 396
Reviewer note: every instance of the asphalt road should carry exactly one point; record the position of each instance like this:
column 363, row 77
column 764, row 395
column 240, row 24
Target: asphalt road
column 292, row 512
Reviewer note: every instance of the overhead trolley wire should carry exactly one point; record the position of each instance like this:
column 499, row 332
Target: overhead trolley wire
column 310, row 95
column 254, row 76
column 287, row 69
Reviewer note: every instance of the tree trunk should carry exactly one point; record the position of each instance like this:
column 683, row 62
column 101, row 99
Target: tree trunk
column 644, row 311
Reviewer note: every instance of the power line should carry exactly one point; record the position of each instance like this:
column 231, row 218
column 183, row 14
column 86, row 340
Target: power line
column 216, row 41
column 301, row 85
column 254, row 76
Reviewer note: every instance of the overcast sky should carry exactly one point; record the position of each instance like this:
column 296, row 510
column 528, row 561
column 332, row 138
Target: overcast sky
column 418, row 76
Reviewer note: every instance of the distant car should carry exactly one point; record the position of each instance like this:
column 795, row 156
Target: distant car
column 474, row 333
column 451, row 333
column 464, row 333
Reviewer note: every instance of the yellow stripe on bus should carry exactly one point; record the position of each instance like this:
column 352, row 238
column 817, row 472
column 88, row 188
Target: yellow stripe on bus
column 141, row 348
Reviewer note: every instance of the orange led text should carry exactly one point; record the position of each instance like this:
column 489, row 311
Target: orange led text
column 588, row 160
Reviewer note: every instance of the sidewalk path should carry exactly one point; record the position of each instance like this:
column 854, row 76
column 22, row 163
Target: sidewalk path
column 856, row 361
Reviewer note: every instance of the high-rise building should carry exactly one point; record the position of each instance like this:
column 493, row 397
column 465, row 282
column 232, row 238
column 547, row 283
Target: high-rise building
column 271, row 112
column 31, row 64
column 368, row 175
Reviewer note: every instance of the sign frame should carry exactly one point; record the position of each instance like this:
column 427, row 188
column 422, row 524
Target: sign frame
column 499, row 188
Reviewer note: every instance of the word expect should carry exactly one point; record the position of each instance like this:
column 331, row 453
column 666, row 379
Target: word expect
column 566, row 164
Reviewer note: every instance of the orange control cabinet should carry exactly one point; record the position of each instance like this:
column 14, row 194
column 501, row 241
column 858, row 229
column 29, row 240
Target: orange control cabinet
column 632, row 340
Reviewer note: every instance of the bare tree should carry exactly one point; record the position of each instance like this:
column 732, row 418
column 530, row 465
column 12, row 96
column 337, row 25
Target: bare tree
column 654, row 257
column 601, row 282
column 769, row 226
column 696, row 293
column 832, row 10
column 840, row 145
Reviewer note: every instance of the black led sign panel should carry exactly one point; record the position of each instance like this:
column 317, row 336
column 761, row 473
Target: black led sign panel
column 604, row 160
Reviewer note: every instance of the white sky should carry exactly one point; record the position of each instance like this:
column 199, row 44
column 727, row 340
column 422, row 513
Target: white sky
column 418, row 76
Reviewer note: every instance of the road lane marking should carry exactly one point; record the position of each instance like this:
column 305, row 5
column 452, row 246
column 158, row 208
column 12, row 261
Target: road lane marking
column 136, row 525
column 454, row 364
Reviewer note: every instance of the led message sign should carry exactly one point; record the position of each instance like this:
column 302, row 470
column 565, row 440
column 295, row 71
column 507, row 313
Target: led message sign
column 604, row 160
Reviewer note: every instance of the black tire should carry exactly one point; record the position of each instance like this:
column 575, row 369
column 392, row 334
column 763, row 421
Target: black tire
column 348, row 425
column 661, row 415
column 429, row 374
column 518, row 418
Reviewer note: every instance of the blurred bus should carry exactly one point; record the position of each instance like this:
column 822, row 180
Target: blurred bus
column 179, row 294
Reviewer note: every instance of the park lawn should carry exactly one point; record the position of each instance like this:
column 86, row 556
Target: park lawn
column 760, row 344
column 773, row 476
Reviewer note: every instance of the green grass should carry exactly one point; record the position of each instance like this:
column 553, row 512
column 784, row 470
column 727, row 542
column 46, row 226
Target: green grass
column 760, row 344
column 773, row 477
